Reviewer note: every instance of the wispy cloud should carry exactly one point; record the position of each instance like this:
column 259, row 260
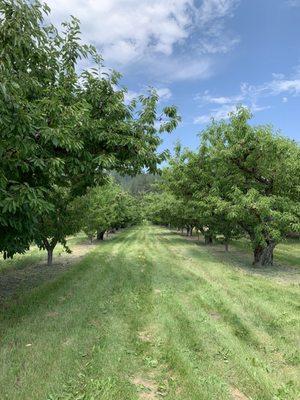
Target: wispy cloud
column 211, row 16
column 293, row 3
column 249, row 96
column 224, row 111
column 164, row 94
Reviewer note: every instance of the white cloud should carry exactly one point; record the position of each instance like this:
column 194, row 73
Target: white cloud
column 275, row 87
column 214, row 9
column 164, row 94
column 211, row 16
column 291, row 86
column 218, row 114
column 249, row 96
column 126, row 30
column 224, row 111
column 207, row 98
column 293, row 3
column 137, row 32
column 130, row 95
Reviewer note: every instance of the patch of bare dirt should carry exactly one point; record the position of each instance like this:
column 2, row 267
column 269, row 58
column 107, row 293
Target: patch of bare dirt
column 215, row 315
column 52, row 314
column 15, row 280
column 237, row 394
column 96, row 323
column 67, row 342
column 147, row 388
column 145, row 336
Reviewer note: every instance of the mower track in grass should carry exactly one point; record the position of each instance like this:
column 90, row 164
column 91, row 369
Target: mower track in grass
column 149, row 315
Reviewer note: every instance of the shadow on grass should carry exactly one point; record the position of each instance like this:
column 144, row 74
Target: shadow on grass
column 239, row 256
column 114, row 280
column 31, row 270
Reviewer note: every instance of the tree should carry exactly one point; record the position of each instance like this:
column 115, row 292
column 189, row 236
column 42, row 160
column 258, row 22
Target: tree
column 162, row 209
column 243, row 179
column 63, row 220
column 60, row 128
column 257, row 173
column 189, row 178
column 105, row 207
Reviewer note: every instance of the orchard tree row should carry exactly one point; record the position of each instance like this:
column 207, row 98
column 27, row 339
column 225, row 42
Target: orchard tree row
column 102, row 209
column 243, row 180
column 64, row 128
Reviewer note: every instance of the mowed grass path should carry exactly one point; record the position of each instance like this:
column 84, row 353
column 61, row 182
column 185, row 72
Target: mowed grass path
column 150, row 315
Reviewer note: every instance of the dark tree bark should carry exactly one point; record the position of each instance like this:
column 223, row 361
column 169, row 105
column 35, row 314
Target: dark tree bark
column 208, row 239
column 100, row 235
column 263, row 255
column 226, row 247
column 49, row 246
column 49, row 256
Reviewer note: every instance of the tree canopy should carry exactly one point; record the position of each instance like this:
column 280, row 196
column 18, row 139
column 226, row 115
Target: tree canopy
column 243, row 179
column 63, row 128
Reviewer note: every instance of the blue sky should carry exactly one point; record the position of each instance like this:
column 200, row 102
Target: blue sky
column 205, row 56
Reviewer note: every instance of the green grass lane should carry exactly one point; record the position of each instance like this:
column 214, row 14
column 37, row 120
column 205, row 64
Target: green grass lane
column 150, row 315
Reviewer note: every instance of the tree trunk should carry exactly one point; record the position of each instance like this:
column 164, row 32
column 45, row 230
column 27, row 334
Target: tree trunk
column 208, row 239
column 49, row 256
column 263, row 255
column 191, row 231
column 100, row 235
column 226, row 247
column 49, row 246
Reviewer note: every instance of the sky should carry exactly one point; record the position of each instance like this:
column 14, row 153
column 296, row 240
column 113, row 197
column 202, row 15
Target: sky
column 204, row 56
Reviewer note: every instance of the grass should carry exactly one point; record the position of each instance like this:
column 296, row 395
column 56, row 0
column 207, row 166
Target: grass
column 34, row 255
column 287, row 252
column 148, row 315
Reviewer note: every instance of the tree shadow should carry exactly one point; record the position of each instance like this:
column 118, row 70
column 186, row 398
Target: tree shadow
column 238, row 257
column 31, row 272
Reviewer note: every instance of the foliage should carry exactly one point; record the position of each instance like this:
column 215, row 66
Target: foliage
column 61, row 127
column 61, row 221
column 138, row 184
column 161, row 208
column 243, row 179
column 257, row 176
column 105, row 207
